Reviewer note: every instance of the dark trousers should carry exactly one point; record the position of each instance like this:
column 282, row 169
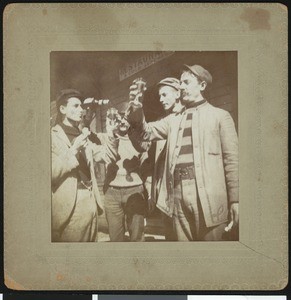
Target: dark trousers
column 125, row 205
column 188, row 220
column 169, row 228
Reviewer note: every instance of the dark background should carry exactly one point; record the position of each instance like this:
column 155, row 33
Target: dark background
column 96, row 74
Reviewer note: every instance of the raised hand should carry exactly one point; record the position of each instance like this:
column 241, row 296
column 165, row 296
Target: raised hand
column 80, row 141
column 113, row 120
column 136, row 92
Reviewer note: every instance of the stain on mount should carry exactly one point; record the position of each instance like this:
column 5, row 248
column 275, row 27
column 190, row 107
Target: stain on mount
column 257, row 18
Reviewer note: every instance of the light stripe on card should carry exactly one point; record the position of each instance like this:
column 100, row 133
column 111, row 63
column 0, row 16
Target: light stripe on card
column 230, row 297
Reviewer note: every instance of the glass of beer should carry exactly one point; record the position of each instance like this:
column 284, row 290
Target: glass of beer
column 112, row 115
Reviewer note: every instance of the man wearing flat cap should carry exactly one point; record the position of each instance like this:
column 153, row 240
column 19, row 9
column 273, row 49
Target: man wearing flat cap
column 199, row 187
column 76, row 201
column 169, row 92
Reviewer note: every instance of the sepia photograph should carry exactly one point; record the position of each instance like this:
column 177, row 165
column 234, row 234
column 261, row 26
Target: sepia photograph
column 144, row 146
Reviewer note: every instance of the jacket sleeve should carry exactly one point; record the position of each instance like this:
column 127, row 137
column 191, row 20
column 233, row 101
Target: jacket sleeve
column 229, row 144
column 63, row 161
column 138, row 144
column 108, row 150
column 151, row 131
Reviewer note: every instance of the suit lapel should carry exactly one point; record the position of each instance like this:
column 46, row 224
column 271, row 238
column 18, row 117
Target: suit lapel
column 88, row 154
column 61, row 135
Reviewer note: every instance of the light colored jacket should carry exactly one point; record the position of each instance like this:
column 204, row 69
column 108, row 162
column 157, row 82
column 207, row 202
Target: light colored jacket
column 215, row 151
column 158, row 169
column 64, row 174
column 159, row 161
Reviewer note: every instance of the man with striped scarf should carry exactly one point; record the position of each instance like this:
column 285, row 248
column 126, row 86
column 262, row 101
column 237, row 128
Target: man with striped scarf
column 199, row 188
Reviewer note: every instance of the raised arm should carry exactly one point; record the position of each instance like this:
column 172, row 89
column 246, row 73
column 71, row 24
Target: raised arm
column 64, row 159
column 107, row 151
column 151, row 131
column 135, row 116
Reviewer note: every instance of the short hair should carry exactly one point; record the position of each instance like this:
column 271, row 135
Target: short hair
column 63, row 98
column 66, row 94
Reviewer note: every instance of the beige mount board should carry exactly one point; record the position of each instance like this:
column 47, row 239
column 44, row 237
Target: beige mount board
column 258, row 32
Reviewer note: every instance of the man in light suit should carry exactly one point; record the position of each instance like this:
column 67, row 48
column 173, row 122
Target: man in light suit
column 76, row 201
column 199, row 187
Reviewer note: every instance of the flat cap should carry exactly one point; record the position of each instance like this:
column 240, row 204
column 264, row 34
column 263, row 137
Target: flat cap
column 200, row 72
column 66, row 94
column 171, row 81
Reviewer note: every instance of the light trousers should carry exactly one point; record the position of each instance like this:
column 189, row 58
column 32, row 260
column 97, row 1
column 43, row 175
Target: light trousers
column 188, row 222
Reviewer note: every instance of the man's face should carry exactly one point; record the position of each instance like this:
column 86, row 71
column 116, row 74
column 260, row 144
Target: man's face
column 73, row 110
column 168, row 97
column 123, row 126
column 191, row 88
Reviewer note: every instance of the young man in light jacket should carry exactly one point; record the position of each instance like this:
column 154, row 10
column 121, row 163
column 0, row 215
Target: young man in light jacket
column 76, row 201
column 199, row 188
column 169, row 93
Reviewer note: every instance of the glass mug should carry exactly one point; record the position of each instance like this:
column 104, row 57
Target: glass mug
column 112, row 115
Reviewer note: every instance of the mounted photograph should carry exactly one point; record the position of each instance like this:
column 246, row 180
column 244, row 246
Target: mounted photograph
column 144, row 146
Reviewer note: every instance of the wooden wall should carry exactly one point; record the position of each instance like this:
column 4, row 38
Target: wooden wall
column 96, row 74
column 222, row 93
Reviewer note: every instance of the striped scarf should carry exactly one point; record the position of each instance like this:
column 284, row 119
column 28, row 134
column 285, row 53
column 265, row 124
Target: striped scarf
column 186, row 158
